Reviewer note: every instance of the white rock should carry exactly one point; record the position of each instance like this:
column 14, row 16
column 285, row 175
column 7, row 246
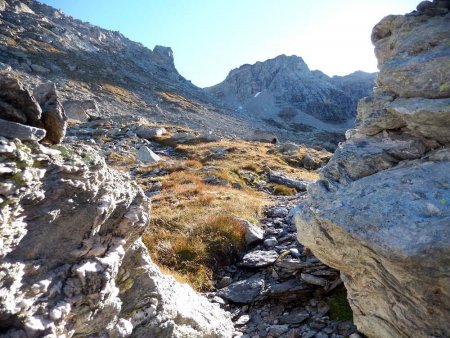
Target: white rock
column 145, row 155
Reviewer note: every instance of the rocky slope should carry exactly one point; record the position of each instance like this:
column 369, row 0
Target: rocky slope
column 381, row 211
column 102, row 73
column 71, row 259
column 285, row 90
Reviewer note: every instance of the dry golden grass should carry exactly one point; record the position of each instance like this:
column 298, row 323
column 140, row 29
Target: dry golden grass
column 121, row 93
column 195, row 226
column 179, row 100
column 252, row 156
column 121, row 161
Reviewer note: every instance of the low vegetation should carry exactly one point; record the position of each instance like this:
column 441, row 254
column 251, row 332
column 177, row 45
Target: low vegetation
column 200, row 197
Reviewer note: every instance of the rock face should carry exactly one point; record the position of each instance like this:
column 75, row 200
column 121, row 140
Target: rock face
column 381, row 211
column 20, row 111
column 285, row 89
column 71, row 259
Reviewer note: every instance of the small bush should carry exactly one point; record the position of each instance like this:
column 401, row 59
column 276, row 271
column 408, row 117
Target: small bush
column 339, row 307
column 225, row 236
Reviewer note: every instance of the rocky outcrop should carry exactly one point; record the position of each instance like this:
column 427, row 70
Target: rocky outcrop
column 381, row 211
column 37, row 116
column 71, row 259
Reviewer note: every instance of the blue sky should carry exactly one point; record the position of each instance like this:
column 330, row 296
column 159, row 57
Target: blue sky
column 211, row 37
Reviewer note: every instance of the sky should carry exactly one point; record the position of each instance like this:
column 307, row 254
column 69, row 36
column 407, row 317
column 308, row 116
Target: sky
column 211, row 37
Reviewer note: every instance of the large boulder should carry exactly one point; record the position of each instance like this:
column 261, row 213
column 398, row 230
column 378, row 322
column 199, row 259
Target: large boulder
column 53, row 117
column 412, row 49
column 80, row 110
column 380, row 212
column 17, row 104
column 71, row 260
column 28, row 113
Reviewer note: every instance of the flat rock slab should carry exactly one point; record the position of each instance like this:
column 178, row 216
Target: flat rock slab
column 12, row 130
column 259, row 258
column 244, row 291
column 294, row 318
column 291, row 288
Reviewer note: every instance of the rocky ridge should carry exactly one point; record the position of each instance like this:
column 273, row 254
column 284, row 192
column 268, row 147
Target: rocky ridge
column 284, row 90
column 381, row 210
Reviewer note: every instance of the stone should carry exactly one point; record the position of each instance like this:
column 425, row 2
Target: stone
column 253, row 233
column 244, row 291
column 412, row 55
column 308, row 162
column 311, row 279
column 150, row 132
column 279, row 212
column 80, row 110
column 365, row 156
column 17, row 104
column 53, row 117
column 242, row 320
column 294, row 252
column 294, row 318
column 259, row 258
column 270, row 242
column 183, row 137
column 13, row 130
column 146, row 156
column 426, row 117
column 39, row 69
column 224, row 282
column 366, row 230
column 291, row 289
column 373, row 117
column 277, row 330
column 280, row 178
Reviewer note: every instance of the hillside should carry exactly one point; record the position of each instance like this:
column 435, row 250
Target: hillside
column 108, row 74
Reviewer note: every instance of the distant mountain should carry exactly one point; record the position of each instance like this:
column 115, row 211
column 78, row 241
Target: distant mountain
column 285, row 90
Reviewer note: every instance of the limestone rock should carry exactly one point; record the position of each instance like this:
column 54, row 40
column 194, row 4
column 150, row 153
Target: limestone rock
column 72, row 263
column 244, row 291
column 253, row 233
column 17, row 104
column 365, row 156
column 12, row 130
column 413, row 55
column 373, row 117
column 259, row 258
column 147, row 156
column 150, row 132
column 388, row 234
column 429, row 118
column 80, row 110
